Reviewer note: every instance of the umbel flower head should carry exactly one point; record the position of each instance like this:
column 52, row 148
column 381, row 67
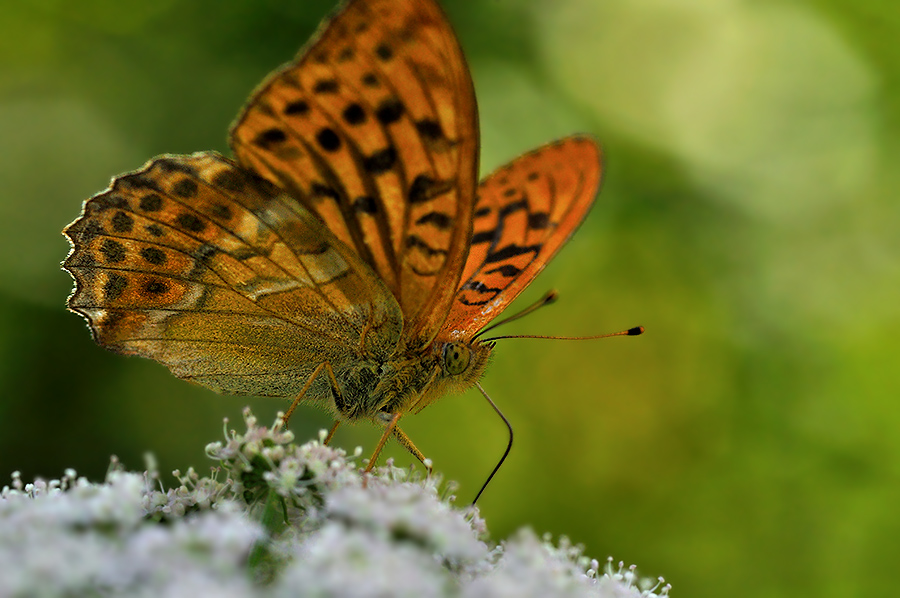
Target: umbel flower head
column 277, row 519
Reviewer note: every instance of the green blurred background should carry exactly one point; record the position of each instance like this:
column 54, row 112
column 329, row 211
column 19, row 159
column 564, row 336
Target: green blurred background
column 747, row 445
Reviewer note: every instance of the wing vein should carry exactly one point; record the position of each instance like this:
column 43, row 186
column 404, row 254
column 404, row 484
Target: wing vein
column 284, row 242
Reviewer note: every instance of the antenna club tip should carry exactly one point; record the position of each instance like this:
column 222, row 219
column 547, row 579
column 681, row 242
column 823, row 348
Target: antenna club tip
column 551, row 296
column 635, row 331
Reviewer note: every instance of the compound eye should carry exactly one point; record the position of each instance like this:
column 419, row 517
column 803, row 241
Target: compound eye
column 456, row 358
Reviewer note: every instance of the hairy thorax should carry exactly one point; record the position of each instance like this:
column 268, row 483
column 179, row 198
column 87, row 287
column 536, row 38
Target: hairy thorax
column 409, row 380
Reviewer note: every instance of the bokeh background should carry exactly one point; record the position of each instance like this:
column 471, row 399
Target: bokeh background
column 747, row 445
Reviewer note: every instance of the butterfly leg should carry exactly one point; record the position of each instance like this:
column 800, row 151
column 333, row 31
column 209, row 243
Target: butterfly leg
column 331, row 432
column 301, row 394
column 387, row 434
column 312, row 377
column 403, row 439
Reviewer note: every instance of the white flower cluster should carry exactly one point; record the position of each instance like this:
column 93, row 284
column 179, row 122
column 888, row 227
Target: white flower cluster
column 287, row 520
column 70, row 537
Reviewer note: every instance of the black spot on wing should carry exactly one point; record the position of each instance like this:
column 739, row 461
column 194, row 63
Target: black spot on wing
column 296, row 108
column 325, row 86
column 389, row 111
column 477, row 285
column 328, row 140
column 425, row 188
column 507, row 270
column 485, row 293
column 221, row 211
column 229, row 180
column 485, row 236
column 156, row 287
column 430, row 129
column 370, row 80
column 150, row 202
column 539, row 220
column 113, row 251
column 437, row 219
column 354, row 114
column 270, row 137
column 185, row 188
column 384, row 52
column 510, row 251
column 138, row 181
column 380, row 161
column 190, row 222
column 365, row 204
column 122, row 222
column 153, row 255
column 319, row 190
column 416, row 242
column 512, row 208
column 114, row 287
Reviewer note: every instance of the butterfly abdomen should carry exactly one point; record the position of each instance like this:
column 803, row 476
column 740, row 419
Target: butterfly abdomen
column 354, row 397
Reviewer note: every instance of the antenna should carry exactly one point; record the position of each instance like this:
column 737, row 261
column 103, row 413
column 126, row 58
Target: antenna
column 549, row 297
column 630, row 332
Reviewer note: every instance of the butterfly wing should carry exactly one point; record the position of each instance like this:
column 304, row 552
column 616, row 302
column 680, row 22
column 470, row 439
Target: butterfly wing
column 374, row 128
column 214, row 272
column 524, row 213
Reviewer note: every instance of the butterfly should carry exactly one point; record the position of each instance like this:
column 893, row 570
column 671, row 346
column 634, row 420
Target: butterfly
column 347, row 255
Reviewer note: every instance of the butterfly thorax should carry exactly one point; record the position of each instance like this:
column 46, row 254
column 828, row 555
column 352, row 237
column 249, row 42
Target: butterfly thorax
column 410, row 379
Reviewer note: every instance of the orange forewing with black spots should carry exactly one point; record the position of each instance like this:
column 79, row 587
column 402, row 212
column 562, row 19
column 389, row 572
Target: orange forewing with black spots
column 374, row 128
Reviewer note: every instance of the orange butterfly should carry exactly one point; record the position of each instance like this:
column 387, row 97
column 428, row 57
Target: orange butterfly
column 347, row 255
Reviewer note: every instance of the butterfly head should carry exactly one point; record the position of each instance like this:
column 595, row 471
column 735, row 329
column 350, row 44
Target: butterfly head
column 460, row 363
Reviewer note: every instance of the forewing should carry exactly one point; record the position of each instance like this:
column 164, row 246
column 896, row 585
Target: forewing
column 374, row 128
column 524, row 213
column 217, row 274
